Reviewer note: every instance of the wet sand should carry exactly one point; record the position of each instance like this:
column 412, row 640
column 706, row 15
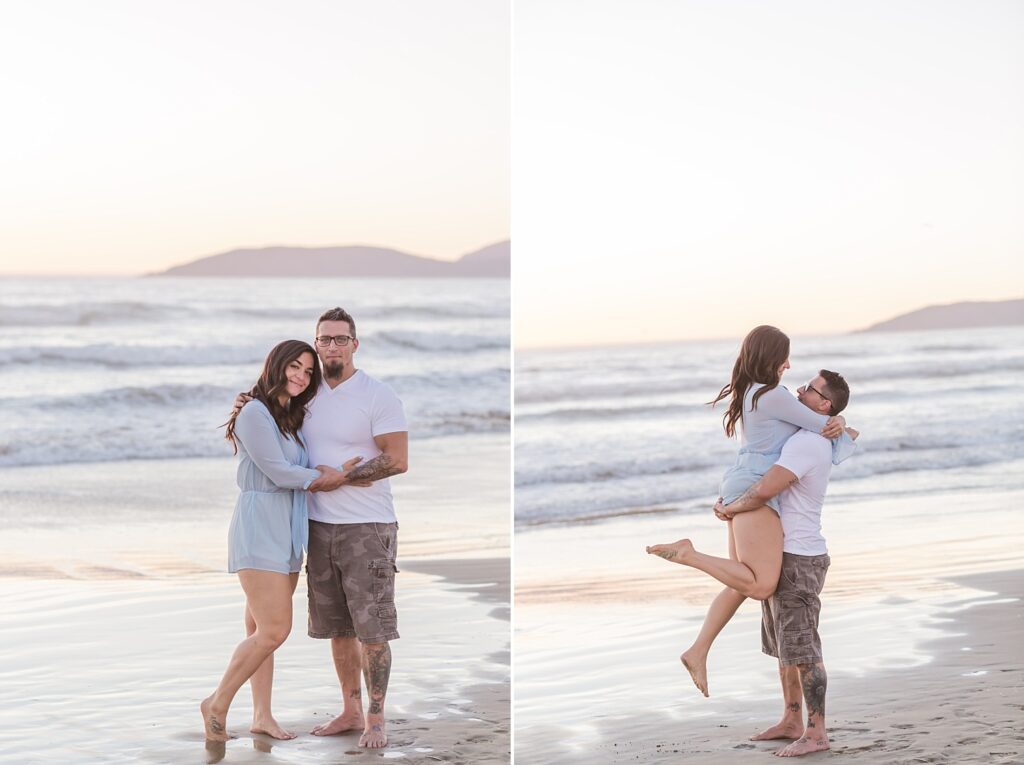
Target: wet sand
column 921, row 628
column 118, row 619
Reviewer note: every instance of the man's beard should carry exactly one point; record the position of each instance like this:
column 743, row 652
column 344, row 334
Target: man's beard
column 333, row 369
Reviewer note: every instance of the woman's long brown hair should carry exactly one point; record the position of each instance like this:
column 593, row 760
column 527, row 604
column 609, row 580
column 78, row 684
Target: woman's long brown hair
column 272, row 382
column 764, row 350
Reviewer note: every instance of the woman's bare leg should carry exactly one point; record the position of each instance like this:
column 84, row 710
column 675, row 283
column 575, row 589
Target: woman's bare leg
column 262, row 683
column 758, row 535
column 269, row 600
column 722, row 609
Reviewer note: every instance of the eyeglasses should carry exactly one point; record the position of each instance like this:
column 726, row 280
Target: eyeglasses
column 808, row 386
column 324, row 341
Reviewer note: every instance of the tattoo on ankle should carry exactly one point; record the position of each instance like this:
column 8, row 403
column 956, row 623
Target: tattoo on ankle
column 356, row 694
column 215, row 726
column 375, row 707
column 794, row 707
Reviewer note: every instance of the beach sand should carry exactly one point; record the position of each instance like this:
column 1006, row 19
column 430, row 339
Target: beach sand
column 921, row 627
column 118, row 618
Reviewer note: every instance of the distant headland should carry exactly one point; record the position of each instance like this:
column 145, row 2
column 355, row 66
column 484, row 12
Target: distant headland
column 955, row 316
column 493, row 261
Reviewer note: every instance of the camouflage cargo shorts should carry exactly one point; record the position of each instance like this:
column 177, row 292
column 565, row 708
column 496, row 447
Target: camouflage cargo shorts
column 350, row 576
column 789, row 618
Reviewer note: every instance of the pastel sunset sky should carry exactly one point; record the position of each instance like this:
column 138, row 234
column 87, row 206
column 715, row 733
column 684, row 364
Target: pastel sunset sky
column 137, row 136
column 691, row 169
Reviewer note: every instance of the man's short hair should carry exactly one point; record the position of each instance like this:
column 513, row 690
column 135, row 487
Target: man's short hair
column 337, row 314
column 836, row 391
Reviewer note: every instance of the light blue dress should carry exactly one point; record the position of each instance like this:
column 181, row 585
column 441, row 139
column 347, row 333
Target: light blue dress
column 765, row 429
column 270, row 526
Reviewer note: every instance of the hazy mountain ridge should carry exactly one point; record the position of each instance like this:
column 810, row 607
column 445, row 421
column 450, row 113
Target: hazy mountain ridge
column 493, row 261
column 962, row 315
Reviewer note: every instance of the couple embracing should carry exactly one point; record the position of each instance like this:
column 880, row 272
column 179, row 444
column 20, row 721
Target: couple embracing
column 772, row 500
column 353, row 428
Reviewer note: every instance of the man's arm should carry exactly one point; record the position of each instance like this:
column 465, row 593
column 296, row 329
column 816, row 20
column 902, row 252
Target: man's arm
column 393, row 459
column 774, row 482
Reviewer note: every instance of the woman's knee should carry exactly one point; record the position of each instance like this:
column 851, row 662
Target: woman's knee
column 764, row 588
column 274, row 635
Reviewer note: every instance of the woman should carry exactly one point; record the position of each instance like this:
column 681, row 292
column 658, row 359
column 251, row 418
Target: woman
column 269, row 527
column 769, row 416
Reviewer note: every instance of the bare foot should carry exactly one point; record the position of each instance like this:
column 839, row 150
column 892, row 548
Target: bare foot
column 215, row 722
column 270, row 727
column 785, row 729
column 696, row 665
column 676, row 552
column 803, row 745
column 346, row 721
column 374, row 736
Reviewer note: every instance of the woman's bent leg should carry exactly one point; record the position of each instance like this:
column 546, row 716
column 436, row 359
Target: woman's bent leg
column 269, row 601
column 759, row 549
column 262, row 683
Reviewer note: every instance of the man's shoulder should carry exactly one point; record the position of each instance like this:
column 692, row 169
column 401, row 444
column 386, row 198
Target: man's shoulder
column 373, row 386
column 809, row 442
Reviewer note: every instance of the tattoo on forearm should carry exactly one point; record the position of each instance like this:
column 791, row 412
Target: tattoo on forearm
column 814, row 682
column 377, row 670
column 747, row 501
column 381, row 466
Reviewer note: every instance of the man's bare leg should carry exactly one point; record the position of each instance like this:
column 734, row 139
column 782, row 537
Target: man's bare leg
column 348, row 662
column 791, row 725
column 695, row 658
column 815, row 739
column 377, row 671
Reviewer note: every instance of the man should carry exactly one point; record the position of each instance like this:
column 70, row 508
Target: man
column 789, row 618
column 353, row 532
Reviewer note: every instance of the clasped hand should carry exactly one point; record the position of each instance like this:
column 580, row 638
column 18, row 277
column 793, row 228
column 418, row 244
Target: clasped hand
column 720, row 513
column 331, row 478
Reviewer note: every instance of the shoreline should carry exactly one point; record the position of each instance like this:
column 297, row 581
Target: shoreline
column 962, row 705
column 119, row 617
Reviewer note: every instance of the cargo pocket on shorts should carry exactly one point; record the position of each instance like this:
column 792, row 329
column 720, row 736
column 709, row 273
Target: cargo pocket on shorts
column 382, row 572
column 387, row 614
column 798, row 643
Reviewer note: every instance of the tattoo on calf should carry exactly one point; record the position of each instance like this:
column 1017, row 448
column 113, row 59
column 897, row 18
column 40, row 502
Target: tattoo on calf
column 815, row 682
column 377, row 670
column 381, row 466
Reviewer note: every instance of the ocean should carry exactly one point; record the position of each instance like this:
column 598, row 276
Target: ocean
column 103, row 370
column 610, row 432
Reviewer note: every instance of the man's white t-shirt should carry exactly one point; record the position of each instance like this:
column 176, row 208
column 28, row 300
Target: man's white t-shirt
column 808, row 456
column 341, row 423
